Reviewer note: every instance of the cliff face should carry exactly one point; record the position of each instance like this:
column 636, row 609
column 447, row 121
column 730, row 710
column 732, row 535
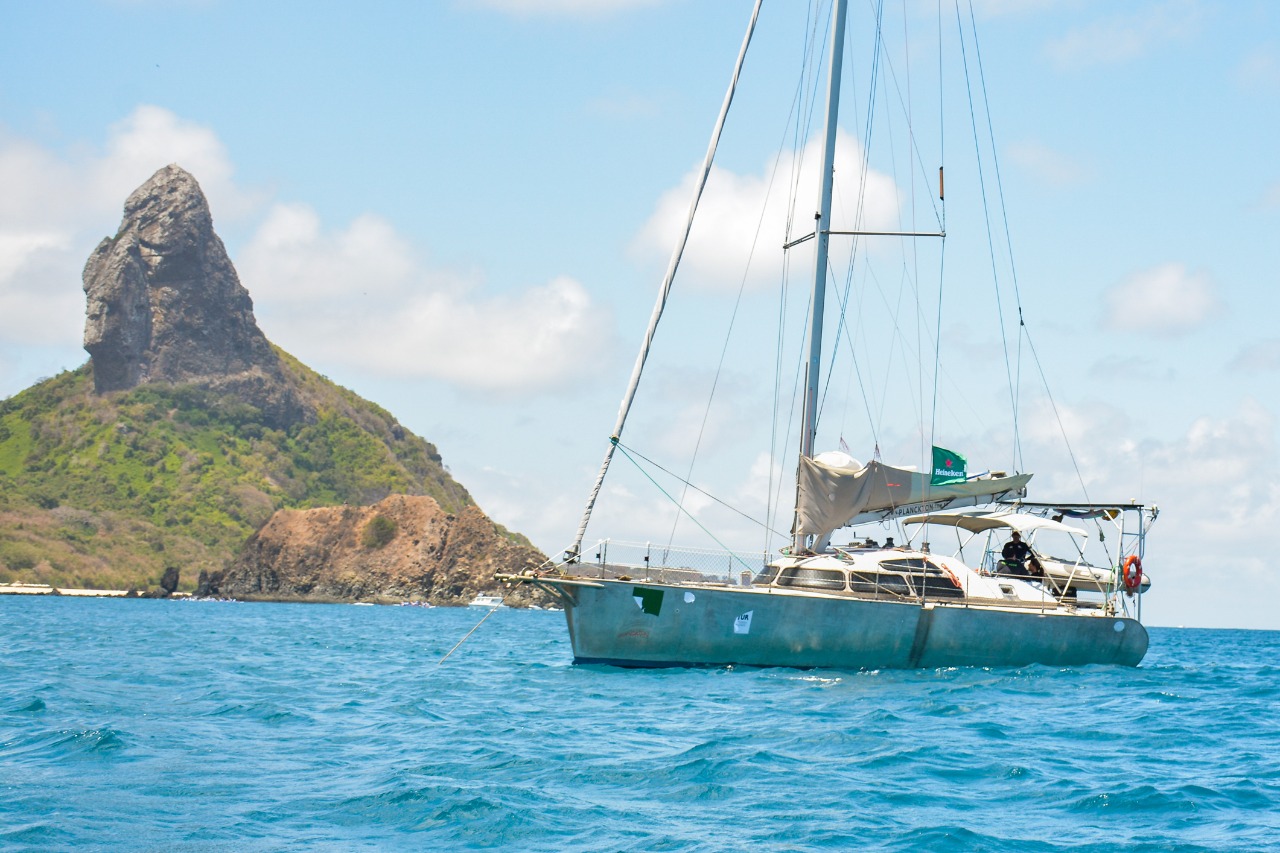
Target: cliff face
column 164, row 304
column 401, row 549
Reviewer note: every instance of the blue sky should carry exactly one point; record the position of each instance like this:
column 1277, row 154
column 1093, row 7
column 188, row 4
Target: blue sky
column 462, row 210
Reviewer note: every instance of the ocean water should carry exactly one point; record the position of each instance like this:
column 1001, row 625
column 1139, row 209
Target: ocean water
column 157, row 725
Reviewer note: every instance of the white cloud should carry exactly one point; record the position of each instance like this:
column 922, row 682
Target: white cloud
column 1271, row 197
column 362, row 297
column 1259, row 69
column 39, row 187
column 1263, row 356
column 1164, row 300
column 19, row 248
column 1135, row 367
column 36, row 308
column 152, row 137
column 735, row 208
column 1215, row 485
column 1052, row 167
column 1123, row 37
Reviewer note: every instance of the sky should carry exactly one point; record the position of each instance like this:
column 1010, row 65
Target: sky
column 462, row 211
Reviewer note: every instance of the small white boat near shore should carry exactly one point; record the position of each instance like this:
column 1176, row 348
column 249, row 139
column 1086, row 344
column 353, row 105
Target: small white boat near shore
column 483, row 600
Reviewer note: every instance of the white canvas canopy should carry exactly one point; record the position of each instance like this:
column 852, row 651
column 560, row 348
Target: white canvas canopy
column 976, row 521
column 835, row 491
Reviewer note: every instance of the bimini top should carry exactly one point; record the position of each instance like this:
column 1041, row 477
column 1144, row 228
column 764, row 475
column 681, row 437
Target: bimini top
column 978, row 520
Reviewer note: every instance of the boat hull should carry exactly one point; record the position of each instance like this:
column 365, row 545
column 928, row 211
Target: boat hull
column 653, row 625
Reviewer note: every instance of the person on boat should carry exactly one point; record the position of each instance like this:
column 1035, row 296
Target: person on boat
column 1014, row 554
column 1033, row 565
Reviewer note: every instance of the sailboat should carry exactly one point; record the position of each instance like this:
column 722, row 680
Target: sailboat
column 864, row 605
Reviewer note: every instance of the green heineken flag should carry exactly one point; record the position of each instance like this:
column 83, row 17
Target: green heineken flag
column 948, row 467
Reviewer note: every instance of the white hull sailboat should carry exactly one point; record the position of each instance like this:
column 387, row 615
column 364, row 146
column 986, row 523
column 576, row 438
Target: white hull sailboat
column 815, row 605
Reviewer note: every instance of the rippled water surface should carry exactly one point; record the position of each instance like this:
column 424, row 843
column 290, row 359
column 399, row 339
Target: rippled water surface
column 153, row 725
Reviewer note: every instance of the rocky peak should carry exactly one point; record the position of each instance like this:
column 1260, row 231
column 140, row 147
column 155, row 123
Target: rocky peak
column 164, row 304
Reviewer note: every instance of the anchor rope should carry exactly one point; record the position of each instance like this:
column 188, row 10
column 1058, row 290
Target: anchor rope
column 473, row 630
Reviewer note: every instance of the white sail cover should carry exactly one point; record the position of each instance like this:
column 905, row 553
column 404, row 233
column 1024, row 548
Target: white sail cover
column 832, row 495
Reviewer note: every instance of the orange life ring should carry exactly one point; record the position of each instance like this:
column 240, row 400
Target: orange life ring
column 1132, row 573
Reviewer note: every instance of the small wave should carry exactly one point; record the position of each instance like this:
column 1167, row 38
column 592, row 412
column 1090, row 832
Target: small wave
column 35, row 706
column 1183, row 799
column 93, row 741
column 451, row 816
column 35, row 835
column 259, row 711
column 63, row 744
column 940, row 839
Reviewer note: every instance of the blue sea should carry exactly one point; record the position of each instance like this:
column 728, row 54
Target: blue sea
column 166, row 725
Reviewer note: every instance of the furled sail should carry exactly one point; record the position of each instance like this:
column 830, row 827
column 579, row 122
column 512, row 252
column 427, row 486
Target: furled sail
column 837, row 491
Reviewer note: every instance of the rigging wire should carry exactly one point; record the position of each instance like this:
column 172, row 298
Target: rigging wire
column 986, row 214
column 692, row 517
column 794, row 113
column 910, row 265
column 815, row 47
column 1008, row 241
column 860, row 208
column 724, row 350
column 942, row 204
column 688, row 485
column 1024, row 331
column 665, row 290
column 1061, row 426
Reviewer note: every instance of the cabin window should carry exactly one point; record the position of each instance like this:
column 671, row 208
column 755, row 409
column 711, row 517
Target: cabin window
column 829, row 579
column 928, row 578
column 911, row 565
column 874, row 582
column 940, row 587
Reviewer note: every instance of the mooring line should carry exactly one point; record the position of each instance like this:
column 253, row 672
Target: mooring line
column 492, row 611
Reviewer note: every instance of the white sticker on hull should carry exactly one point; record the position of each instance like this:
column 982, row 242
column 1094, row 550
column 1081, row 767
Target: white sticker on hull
column 742, row 625
column 688, row 598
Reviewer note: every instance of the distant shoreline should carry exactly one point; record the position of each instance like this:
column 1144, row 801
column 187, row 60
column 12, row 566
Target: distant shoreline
column 45, row 589
column 19, row 588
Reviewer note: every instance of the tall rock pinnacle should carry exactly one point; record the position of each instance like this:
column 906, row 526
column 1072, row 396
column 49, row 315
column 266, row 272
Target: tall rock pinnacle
column 165, row 304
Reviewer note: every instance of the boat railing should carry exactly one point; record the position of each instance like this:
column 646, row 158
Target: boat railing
column 668, row 564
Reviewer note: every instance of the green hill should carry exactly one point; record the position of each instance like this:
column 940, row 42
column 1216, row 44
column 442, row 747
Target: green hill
column 107, row 490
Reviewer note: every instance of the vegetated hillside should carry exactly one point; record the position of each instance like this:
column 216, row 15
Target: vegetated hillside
column 107, row 490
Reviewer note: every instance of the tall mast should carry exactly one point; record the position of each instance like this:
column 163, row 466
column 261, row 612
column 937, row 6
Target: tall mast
column 822, row 228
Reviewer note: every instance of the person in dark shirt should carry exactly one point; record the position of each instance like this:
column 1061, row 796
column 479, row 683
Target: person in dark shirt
column 1015, row 555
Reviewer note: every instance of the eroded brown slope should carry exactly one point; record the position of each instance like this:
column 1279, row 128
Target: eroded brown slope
column 418, row 552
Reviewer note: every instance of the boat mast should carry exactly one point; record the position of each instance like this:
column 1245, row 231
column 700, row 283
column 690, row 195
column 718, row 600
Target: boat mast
column 822, row 234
